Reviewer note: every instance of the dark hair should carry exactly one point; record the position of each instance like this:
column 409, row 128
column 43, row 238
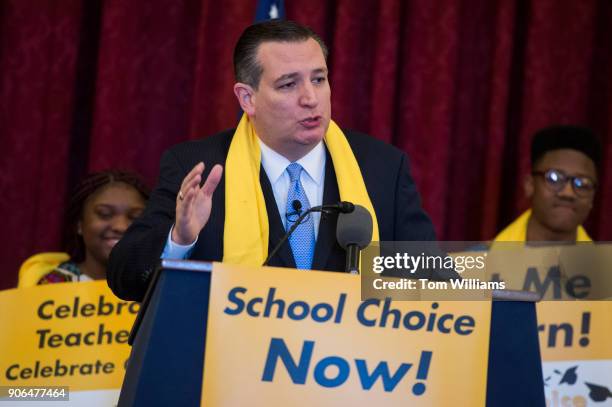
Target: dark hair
column 559, row 137
column 246, row 67
column 73, row 242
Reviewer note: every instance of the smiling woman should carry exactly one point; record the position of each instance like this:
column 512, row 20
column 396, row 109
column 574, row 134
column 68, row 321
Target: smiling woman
column 101, row 208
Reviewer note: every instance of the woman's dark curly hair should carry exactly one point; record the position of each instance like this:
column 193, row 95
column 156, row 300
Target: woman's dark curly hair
column 73, row 242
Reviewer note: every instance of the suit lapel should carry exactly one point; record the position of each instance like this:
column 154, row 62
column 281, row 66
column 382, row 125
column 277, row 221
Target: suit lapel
column 326, row 238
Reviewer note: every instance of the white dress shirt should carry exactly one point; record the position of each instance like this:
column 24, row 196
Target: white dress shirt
column 275, row 165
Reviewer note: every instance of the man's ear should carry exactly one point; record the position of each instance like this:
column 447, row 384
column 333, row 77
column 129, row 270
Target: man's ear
column 246, row 97
column 528, row 186
column 80, row 228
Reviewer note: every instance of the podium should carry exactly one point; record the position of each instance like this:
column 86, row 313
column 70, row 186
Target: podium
column 168, row 339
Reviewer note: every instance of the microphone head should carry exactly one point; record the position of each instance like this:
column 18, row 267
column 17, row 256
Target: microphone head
column 296, row 205
column 346, row 207
column 354, row 228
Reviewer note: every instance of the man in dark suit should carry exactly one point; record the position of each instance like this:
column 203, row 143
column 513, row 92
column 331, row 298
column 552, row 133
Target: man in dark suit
column 282, row 87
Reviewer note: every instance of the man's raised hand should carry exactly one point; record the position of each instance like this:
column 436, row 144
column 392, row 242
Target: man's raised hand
column 194, row 203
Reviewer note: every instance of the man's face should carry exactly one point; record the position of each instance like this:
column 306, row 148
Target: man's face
column 561, row 211
column 291, row 108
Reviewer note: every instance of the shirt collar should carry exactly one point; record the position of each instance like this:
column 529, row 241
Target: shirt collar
column 275, row 164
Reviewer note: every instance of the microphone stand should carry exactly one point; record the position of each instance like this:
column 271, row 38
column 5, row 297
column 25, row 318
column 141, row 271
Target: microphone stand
column 352, row 258
column 292, row 228
column 342, row 207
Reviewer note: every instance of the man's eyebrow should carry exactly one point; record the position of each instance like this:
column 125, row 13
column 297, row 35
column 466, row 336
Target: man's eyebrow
column 286, row 76
column 294, row 75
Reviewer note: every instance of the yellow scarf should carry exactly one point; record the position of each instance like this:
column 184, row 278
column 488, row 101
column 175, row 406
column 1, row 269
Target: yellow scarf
column 517, row 231
column 245, row 240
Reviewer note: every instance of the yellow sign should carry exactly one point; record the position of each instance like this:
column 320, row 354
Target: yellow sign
column 580, row 272
column 65, row 334
column 575, row 336
column 280, row 337
column 575, row 330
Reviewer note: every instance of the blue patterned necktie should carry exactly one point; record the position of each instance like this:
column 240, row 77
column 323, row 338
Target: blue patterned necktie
column 302, row 240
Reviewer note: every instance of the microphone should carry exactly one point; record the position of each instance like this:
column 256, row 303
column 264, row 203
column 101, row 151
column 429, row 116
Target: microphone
column 341, row 207
column 297, row 206
column 354, row 232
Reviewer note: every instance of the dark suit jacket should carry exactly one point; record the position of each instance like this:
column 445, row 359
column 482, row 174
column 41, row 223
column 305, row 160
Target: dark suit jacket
column 385, row 172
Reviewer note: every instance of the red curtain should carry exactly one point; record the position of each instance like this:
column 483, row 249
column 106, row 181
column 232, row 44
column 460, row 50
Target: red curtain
column 459, row 85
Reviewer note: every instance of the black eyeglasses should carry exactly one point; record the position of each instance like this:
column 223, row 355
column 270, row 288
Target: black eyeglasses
column 556, row 180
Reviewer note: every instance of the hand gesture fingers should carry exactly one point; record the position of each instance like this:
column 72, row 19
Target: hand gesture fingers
column 194, row 203
column 211, row 183
column 191, row 180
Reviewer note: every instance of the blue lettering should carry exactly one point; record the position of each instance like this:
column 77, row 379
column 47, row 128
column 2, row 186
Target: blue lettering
column 462, row 322
column 329, row 311
column 340, row 309
column 432, row 322
column 385, row 314
column 381, row 370
column 361, row 311
column 420, row 320
column 251, row 307
column 232, row 296
column 422, row 372
column 388, row 317
column 298, row 369
column 297, row 372
column 271, row 301
column 291, row 313
column 343, row 371
column 441, row 327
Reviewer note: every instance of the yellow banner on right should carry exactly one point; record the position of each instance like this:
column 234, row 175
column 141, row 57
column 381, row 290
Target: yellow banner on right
column 575, row 335
column 576, row 346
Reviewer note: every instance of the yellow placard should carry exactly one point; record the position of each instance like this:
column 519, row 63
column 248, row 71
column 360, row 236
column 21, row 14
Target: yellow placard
column 576, row 345
column 279, row 337
column 64, row 334
column 575, row 335
column 579, row 330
